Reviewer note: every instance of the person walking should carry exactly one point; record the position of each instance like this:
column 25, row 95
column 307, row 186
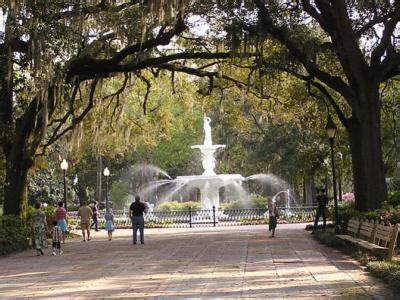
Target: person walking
column 61, row 218
column 39, row 229
column 56, row 238
column 322, row 200
column 272, row 214
column 109, row 227
column 86, row 214
column 95, row 215
column 136, row 211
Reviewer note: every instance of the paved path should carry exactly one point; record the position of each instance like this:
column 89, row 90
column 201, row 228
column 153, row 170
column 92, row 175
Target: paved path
column 207, row 262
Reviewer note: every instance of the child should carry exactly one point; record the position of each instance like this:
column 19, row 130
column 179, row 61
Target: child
column 272, row 212
column 57, row 236
column 109, row 227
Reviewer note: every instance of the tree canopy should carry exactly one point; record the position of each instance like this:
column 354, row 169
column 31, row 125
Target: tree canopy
column 75, row 71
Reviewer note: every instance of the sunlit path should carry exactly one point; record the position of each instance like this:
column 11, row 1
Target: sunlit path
column 208, row 262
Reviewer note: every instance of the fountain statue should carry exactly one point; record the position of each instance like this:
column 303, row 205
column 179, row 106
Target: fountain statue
column 208, row 149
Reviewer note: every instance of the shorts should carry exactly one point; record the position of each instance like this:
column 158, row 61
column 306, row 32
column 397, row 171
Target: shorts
column 85, row 226
column 62, row 224
column 57, row 245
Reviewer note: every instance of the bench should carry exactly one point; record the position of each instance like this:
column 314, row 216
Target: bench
column 353, row 228
column 372, row 236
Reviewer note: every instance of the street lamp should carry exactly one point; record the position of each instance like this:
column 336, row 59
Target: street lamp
column 340, row 176
column 106, row 173
column 331, row 132
column 64, row 167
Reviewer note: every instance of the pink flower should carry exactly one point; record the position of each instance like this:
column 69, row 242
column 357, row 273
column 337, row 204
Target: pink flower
column 348, row 197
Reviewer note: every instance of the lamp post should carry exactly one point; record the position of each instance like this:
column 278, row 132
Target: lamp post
column 64, row 167
column 106, row 173
column 331, row 132
column 340, row 176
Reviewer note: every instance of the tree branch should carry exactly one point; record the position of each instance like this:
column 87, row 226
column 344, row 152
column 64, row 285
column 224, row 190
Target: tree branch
column 87, row 68
column 386, row 36
column 284, row 37
column 75, row 120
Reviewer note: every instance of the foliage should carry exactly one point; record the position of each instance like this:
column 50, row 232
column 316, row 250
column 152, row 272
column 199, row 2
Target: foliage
column 46, row 184
column 329, row 238
column 177, row 206
column 346, row 211
column 394, row 198
column 258, row 201
column 255, row 201
column 389, row 271
column 13, row 234
column 388, row 214
column 119, row 193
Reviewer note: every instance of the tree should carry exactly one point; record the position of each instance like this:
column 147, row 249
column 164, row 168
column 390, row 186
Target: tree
column 344, row 50
column 55, row 58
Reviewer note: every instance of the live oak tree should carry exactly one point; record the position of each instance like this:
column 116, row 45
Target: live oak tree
column 344, row 50
column 54, row 59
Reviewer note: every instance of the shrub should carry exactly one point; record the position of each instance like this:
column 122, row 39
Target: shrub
column 329, row 238
column 346, row 211
column 389, row 271
column 257, row 201
column 234, row 205
column 73, row 207
column 394, row 198
column 177, row 206
column 13, row 234
column 389, row 214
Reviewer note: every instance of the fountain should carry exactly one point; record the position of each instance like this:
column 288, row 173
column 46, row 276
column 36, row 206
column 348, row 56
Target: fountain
column 209, row 182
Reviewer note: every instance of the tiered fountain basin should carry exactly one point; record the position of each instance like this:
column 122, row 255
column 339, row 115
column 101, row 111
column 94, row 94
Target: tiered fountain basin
column 209, row 186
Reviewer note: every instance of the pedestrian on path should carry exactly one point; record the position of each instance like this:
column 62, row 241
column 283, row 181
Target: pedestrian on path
column 56, row 238
column 39, row 229
column 272, row 214
column 95, row 215
column 136, row 211
column 109, row 227
column 61, row 217
column 86, row 214
column 322, row 200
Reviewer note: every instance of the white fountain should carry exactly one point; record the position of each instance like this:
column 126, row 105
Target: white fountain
column 209, row 182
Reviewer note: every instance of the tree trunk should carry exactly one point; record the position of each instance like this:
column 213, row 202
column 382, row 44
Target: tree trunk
column 309, row 191
column 98, row 194
column 366, row 150
column 82, row 194
column 16, row 188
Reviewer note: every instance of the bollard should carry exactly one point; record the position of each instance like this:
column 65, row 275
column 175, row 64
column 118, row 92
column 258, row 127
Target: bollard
column 214, row 215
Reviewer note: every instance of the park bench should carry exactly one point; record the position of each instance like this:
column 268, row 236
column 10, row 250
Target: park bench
column 372, row 236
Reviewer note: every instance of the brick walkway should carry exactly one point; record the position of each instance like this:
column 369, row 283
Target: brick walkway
column 207, row 262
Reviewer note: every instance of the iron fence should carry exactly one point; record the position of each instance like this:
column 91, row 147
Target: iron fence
column 205, row 218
